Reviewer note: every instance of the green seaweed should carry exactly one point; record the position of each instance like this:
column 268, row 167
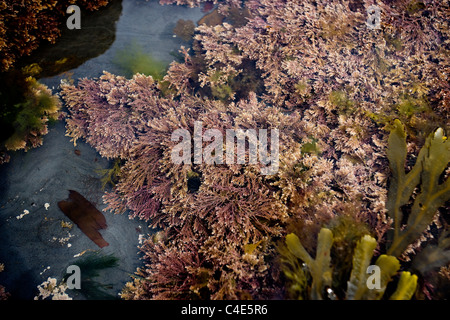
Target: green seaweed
column 357, row 288
column 346, row 233
column 393, row 41
column 134, row 60
column 321, row 273
column 406, row 287
column 409, row 107
column 422, row 190
column 357, row 285
column 413, row 109
column 90, row 268
column 414, row 7
column 389, row 266
column 303, row 90
column 311, row 147
column 340, row 100
column 295, row 272
column 110, row 176
column 221, row 92
column 432, row 160
column 319, row 268
column 26, row 111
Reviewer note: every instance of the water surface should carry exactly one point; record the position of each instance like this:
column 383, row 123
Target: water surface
column 36, row 244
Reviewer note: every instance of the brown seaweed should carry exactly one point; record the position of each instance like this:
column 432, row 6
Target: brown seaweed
column 85, row 215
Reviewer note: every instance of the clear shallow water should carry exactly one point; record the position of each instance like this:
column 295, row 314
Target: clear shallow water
column 145, row 23
column 36, row 246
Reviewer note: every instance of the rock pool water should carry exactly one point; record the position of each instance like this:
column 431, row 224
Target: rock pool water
column 35, row 243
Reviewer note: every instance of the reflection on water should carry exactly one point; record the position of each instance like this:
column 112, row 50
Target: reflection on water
column 147, row 24
column 74, row 47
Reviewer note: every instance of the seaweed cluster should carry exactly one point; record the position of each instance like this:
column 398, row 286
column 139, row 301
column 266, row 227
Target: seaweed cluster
column 333, row 88
column 216, row 221
column 314, row 278
column 27, row 107
column 359, row 285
